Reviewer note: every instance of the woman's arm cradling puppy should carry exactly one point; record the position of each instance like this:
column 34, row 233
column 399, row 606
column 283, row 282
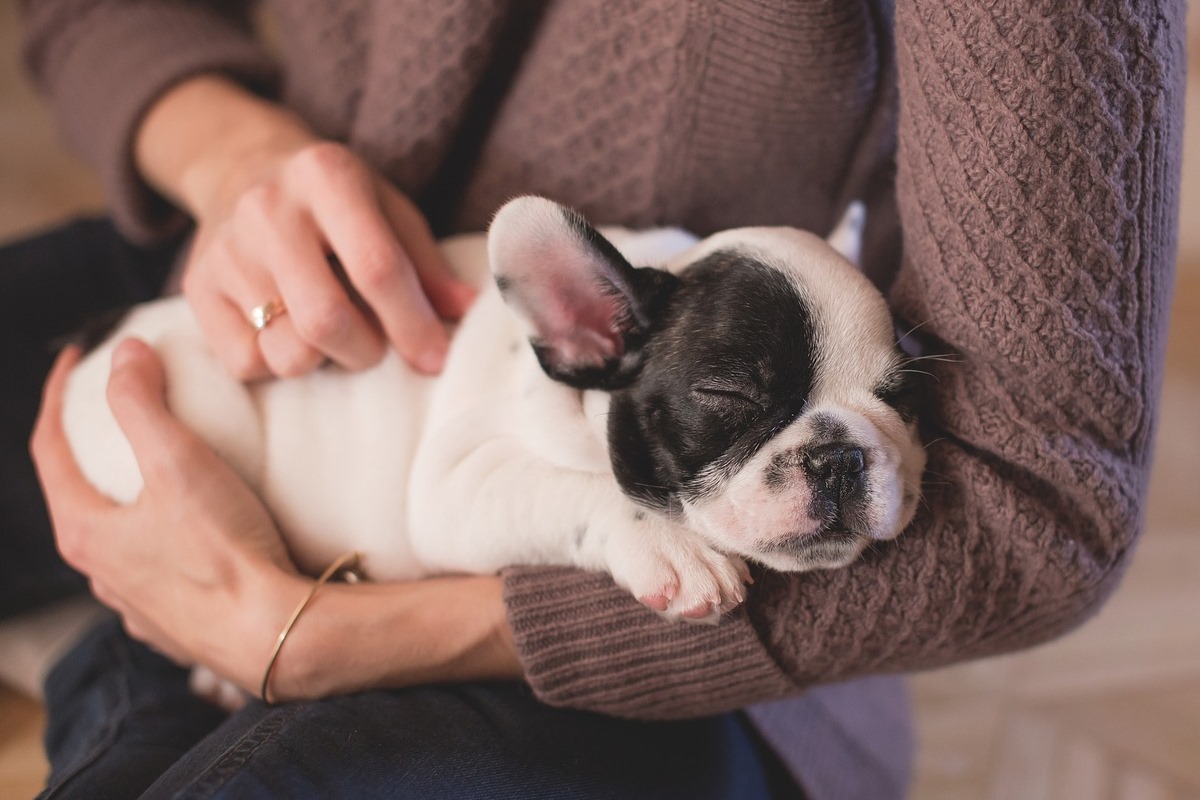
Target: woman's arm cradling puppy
column 196, row 567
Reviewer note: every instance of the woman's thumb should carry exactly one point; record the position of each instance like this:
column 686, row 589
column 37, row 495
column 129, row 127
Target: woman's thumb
column 136, row 395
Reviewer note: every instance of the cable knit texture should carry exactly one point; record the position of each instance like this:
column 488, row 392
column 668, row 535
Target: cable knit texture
column 1026, row 151
column 78, row 49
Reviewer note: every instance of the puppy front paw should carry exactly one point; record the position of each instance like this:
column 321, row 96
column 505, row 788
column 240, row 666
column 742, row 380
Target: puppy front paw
column 672, row 571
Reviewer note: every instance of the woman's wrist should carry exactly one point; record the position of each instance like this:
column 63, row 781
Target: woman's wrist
column 266, row 596
column 207, row 139
column 376, row 635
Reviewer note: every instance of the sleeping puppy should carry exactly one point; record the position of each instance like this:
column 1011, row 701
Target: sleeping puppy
column 729, row 400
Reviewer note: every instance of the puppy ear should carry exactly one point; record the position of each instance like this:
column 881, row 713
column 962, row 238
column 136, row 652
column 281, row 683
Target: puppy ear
column 588, row 310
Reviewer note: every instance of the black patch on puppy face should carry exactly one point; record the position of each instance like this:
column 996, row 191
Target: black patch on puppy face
column 727, row 365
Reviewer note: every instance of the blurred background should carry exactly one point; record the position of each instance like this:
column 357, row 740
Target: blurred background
column 1111, row 712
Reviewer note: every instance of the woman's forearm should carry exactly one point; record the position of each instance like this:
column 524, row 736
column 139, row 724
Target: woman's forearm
column 364, row 636
column 204, row 139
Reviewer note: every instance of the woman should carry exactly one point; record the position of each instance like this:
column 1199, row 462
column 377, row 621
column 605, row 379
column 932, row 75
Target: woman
column 1035, row 153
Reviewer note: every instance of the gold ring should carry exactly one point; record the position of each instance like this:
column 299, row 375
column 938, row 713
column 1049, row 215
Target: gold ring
column 261, row 316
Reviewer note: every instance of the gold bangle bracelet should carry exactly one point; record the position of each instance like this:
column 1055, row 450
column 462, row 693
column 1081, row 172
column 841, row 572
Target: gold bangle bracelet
column 346, row 563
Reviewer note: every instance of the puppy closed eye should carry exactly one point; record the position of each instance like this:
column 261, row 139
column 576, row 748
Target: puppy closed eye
column 726, row 400
column 902, row 393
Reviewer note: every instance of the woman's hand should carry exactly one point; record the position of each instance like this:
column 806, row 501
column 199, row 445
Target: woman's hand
column 196, row 567
column 273, row 203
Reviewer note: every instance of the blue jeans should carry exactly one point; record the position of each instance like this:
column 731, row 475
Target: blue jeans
column 122, row 724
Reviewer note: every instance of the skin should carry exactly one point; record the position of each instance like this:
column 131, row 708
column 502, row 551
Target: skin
column 271, row 203
column 223, row 560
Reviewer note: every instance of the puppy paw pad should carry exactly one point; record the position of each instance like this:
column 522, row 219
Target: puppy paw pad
column 658, row 602
column 701, row 611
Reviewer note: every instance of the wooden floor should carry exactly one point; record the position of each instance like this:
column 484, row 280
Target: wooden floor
column 1111, row 712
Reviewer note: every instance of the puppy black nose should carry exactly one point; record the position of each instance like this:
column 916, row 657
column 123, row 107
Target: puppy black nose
column 836, row 472
column 834, row 461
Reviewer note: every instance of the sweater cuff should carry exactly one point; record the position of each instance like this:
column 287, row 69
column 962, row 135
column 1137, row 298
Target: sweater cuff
column 586, row 643
column 128, row 57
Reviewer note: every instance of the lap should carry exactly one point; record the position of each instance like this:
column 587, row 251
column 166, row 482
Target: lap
column 121, row 717
column 474, row 740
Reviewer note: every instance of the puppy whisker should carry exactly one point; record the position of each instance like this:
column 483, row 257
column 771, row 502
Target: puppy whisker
column 949, row 359
column 915, row 328
column 918, row 372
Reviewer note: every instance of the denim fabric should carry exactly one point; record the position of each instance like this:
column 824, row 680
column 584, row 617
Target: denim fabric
column 50, row 285
column 120, row 716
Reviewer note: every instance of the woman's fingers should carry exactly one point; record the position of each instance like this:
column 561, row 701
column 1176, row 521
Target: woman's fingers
column 272, row 244
column 264, row 240
column 321, row 318
column 164, row 448
column 50, row 449
column 71, row 500
column 449, row 296
column 284, row 351
column 137, row 395
column 48, row 428
column 375, row 262
column 226, row 327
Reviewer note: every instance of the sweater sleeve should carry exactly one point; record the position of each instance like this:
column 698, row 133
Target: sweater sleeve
column 102, row 63
column 1038, row 182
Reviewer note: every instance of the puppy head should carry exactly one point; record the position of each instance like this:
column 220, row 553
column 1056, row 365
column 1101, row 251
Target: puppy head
column 755, row 384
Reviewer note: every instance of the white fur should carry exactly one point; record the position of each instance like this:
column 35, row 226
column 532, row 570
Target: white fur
column 422, row 476
column 492, row 463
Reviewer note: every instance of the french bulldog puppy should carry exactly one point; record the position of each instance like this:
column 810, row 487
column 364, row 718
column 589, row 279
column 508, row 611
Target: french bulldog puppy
column 734, row 399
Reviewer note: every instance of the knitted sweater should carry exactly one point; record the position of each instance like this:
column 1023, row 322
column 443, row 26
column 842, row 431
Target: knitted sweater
column 1026, row 153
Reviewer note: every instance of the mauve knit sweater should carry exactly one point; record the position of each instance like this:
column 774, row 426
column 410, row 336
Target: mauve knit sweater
column 1020, row 160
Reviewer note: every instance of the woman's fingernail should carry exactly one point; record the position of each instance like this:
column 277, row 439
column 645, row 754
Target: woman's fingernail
column 431, row 361
column 124, row 354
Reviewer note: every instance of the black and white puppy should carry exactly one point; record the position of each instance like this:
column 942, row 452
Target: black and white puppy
column 734, row 398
